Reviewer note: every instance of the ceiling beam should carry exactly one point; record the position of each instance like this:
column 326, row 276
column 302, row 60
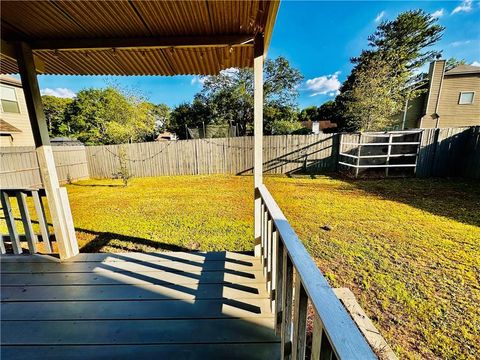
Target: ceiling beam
column 143, row 42
column 8, row 49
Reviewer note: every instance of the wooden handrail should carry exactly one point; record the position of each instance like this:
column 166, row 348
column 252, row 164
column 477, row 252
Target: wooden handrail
column 335, row 334
column 32, row 239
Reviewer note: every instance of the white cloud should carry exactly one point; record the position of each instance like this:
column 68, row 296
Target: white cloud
column 465, row 6
column 198, row 80
column 326, row 84
column 229, row 72
column 380, row 16
column 437, row 14
column 58, row 92
column 334, row 93
column 460, row 43
column 476, row 63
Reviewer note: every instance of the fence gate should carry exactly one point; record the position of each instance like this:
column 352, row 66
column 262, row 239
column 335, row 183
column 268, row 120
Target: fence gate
column 374, row 154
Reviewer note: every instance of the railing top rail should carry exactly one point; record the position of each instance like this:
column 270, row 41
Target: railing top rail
column 344, row 336
column 383, row 143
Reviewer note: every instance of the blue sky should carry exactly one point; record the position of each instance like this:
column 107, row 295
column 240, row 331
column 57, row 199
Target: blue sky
column 318, row 38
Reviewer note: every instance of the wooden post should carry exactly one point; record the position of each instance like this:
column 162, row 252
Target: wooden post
column 258, row 135
column 66, row 241
column 359, row 153
column 389, row 151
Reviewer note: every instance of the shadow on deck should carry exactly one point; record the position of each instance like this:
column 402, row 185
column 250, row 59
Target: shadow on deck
column 145, row 305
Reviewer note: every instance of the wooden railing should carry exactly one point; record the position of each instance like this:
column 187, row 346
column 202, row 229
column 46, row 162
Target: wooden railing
column 32, row 239
column 294, row 280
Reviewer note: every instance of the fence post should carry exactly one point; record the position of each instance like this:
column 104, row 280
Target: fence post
column 359, row 152
column 390, row 138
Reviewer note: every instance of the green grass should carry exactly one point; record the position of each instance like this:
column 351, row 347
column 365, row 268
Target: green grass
column 409, row 249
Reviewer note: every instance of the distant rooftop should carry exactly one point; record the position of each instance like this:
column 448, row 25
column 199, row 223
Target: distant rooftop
column 463, row 69
column 7, row 128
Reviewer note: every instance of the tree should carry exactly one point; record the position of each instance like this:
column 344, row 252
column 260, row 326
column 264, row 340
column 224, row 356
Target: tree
column 108, row 116
column 55, row 109
column 377, row 87
column 453, row 62
column 227, row 98
column 192, row 115
column 161, row 114
column 375, row 99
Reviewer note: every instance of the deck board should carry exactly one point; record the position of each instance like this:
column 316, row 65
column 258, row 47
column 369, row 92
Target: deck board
column 157, row 305
column 252, row 351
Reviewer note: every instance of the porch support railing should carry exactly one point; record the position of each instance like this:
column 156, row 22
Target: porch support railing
column 258, row 132
column 57, row 196
column 294, row 280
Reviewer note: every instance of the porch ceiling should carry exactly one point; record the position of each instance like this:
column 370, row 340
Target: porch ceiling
column 136, row 37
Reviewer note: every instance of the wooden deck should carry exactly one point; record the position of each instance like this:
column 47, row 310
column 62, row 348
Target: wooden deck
column 133, row 305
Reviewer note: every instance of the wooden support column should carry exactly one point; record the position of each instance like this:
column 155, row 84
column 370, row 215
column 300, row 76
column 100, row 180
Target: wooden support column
column 62, row 222
column 258, row 136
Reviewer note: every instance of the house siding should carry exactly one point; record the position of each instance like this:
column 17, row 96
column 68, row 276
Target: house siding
column 452, row 114
column 20, row 121
column 415, row 111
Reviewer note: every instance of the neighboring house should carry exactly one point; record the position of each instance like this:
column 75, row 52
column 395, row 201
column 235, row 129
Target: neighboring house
column 451, row 98
column 318, row 126
column 166, row 136
column 65, row 141
column 15, row 127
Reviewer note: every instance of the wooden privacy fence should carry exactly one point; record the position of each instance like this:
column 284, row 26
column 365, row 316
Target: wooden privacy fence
column 442, row 153
column 450, row 152
column 19, row 165
column 282, row 154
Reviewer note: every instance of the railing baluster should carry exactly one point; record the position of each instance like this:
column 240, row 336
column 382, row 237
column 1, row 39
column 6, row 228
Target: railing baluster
column 269, row 256
column 42, row 220
column 286, row 345
column 12, row 229
column 299, row 320
column 274, row 270
column 316, row 338
column 262, row 232
column 27, row 222
column 2, row 245
column 265, row 243
column 326, row 351
column 279, row 284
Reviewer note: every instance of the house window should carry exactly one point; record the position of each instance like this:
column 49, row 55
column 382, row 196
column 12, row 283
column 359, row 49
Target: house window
column 466, row 97
column 9, row 100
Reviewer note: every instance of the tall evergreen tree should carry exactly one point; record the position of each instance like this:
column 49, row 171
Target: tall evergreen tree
column 377, row 87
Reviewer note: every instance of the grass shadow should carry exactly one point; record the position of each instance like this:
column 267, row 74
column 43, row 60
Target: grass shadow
column 457, row 199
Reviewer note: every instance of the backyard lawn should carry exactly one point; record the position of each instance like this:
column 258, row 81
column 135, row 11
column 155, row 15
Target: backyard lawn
column 409, row 249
